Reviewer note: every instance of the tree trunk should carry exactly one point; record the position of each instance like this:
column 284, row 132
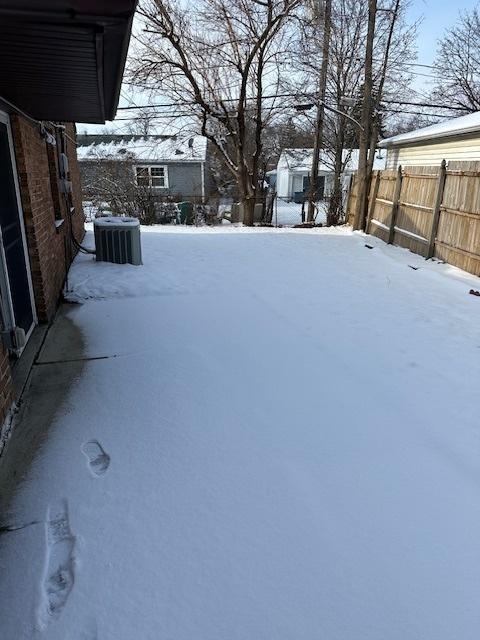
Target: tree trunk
column 246, row 195
column 335, row 205
column 248, row 209
column 312, row 196
column 363, row 173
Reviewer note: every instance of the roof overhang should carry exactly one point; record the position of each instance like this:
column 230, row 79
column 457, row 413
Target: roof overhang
column 423, row 140
column 63, row 60
column 462, row 127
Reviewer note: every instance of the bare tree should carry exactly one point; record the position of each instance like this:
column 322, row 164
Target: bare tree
column 391, row 55
column 144, row 122
column 458, row 64
column 110, row 184
column 392, row 50
column 366, row 119
column 403, row 124
column 221, row 58
column 349, row 21
column 324, row 10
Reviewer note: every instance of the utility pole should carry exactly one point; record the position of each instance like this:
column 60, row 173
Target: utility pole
column 324, row 8
column 366, row 121
column 394, row 11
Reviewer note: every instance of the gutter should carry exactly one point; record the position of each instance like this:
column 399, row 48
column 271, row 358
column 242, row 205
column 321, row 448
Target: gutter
column 122, row 63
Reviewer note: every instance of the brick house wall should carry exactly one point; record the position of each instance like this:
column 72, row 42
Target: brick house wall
column 48, row 240
column 48, row 245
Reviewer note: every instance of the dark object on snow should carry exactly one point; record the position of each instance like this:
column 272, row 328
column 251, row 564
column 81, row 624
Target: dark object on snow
column 369, row 246
column 414, row 268
column 306, row 225
column 299, row 197
column 474, row 293
column 186, row 215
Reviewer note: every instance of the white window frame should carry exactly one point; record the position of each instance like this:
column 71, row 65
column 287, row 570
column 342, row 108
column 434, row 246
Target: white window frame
column 7, row 314
column 149, row 168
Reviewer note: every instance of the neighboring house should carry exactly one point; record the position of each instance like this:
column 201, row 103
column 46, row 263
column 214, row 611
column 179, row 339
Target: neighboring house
column 168, row 165
column 294, row 167
column 58, row 64
column 457, row 140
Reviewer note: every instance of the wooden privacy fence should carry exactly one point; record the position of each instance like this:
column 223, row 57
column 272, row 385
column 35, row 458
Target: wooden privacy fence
column 433, row 211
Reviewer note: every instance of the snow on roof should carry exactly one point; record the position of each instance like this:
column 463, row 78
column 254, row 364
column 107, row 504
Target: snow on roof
column 301, row 160
column 147, row 149
column 454, row 127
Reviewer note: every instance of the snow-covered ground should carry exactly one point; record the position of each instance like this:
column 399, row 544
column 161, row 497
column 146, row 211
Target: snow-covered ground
column 285, row 446
column 288, row 213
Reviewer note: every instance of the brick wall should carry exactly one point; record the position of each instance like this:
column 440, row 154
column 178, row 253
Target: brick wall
column 49, row 244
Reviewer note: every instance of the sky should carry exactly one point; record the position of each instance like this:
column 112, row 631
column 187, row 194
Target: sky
column 434, row 15
column 437, row 15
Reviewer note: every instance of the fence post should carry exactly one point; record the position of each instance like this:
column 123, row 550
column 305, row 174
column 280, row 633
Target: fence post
column 436, row 212
column 371, row 205
column 396, row 199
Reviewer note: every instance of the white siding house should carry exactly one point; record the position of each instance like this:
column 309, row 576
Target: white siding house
column 294, row 166
column 456, row 140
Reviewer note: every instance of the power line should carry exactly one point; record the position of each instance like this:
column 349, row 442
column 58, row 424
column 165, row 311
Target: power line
column 190, row 103
column 297, row 96
column 175, row 116
column 424, row 104
column 415, row 113
column 158, row 116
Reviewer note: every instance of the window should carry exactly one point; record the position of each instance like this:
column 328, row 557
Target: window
column 152, row 177
column 143, row 178
column 158, row 176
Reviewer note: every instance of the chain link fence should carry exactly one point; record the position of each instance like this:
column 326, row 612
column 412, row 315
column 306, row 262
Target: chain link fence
column 160, row 210
column 270, row 210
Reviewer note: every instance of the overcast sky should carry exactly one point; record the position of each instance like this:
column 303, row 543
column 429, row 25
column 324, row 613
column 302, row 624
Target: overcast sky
column 435, row 15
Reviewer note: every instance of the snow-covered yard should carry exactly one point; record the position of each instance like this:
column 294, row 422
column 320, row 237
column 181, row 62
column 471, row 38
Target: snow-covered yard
column 289, row 213
column 278, row 439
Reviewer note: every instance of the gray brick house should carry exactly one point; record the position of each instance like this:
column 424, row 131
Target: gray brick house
column 170, row 167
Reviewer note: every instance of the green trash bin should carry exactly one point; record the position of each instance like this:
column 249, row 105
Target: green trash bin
column 186, row 212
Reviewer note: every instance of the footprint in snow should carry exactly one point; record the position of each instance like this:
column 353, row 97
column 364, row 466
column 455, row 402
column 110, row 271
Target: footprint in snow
column 59, row 575
column 98, row 458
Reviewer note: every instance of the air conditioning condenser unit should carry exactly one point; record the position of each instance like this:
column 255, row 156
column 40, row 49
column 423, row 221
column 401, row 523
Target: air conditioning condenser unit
column 117, row 240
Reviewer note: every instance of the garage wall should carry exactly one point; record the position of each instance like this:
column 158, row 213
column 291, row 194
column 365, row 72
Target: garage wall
column 433, row 154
